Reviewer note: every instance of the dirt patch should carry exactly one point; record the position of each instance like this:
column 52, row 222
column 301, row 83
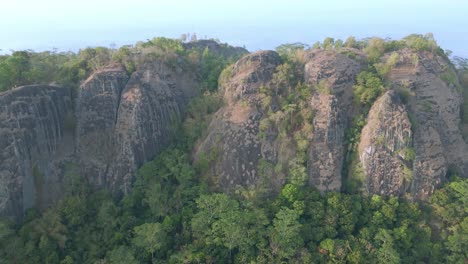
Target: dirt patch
column 239, row 113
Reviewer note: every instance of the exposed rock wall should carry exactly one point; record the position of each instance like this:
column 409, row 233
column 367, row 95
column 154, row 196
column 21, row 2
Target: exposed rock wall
column 408, row 145
column 434, row 106
column 97, row 108
column 118, row 122
column 332, row 104
column 385, row 149
column 151, row 104
column 115, row 124
column 412, row 147
column 234, row 131
column 36, row 136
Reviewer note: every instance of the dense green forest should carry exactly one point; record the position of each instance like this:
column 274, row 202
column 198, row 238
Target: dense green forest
column 174, row 215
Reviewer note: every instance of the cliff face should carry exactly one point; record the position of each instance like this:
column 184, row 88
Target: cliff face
column 36, row 137
column 117, row 124
column 434, row 106
column 151, row 103
column 233, row 135
column 332, row 106
column 97, row 109
column 385, row 149
column 411, row 142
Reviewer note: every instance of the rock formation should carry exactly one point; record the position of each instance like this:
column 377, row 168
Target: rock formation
column 333, row 110
column 234, row 130
column 411, row 143
column 234, row 133
column 36, row 128
column 385, row 150
column 434, row 106
column 97, row 109
column 115, row 124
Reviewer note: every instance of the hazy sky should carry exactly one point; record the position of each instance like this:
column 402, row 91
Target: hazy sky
column 73, row 24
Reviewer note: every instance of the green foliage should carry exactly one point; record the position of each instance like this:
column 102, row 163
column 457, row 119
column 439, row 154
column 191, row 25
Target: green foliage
column 150, row 237
column 421, row 42
column 288, row 51
column 211, row 67
column 120, row 255
column 69, row 69
column 384, row 68
column 450, row 77
column 323, row 88
column 328, row 43
column 350, row 42
column 199, row 114
column 450, row 209
column 300, row 225
column 285, row 239
column 353, row 135
column 394, row 45
column 407, row 174
column 375, row 49
column 124, row 55
column 25, row 67
column 368, row 87
column 356, row 175
column 404, row 94
column 409, row 154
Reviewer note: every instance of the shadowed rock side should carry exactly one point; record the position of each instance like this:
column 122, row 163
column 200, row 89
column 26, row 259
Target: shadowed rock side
column 233, row 135
column 152, row 102
column 36, row 136
column 116, row 124
column 332, row 103
column 96, row 111
column 385, row 149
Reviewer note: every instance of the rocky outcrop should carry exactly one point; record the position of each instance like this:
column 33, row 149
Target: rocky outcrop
column 96, row 115
column 216, row 48
column 434, row 106
column 115, row 124
column 413, row 147
column 333, row 76
column 151, row 104
column 36, row 136
column 234, row 133
column 411, row 142
column 385, row 150
column 234, row 130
